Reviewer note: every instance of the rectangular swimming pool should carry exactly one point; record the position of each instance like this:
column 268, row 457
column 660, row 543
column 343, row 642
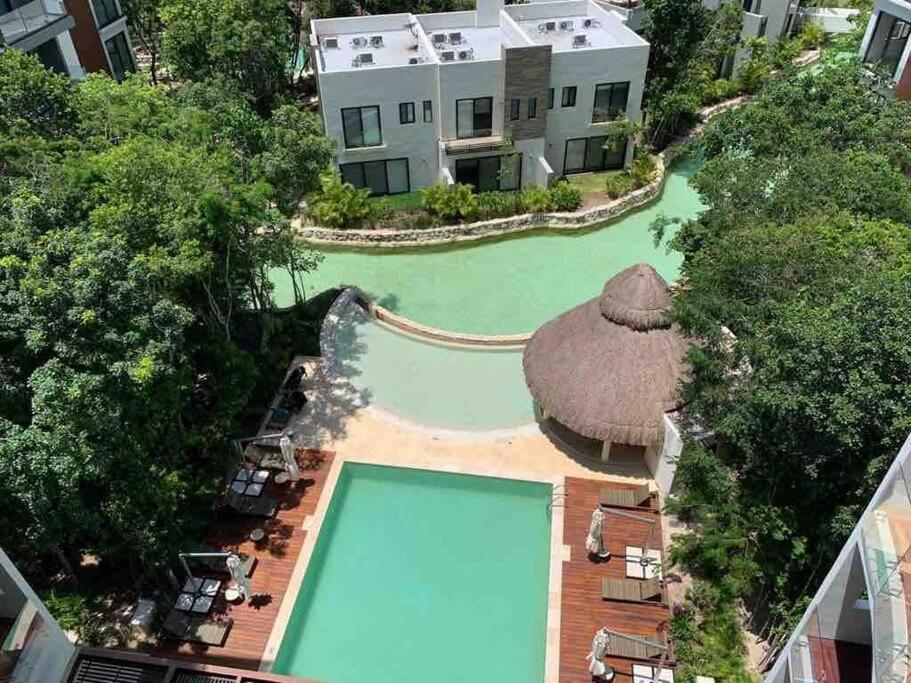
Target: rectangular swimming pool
column 419, row 576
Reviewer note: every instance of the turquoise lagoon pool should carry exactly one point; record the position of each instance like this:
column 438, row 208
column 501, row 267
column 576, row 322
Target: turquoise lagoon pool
column 507, row 286
column 433, row 385
column 420, row 576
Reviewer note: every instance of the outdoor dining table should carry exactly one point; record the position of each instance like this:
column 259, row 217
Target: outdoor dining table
column 249, row 482
column 197, row 595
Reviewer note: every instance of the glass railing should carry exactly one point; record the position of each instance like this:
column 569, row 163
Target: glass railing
column 800, row 659
column 29, row 18
column 886, row 536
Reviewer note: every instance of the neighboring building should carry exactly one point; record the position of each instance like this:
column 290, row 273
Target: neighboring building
column 33, row 648
column 886, row 42
column 856, row 628
column 69, row 36
column 769, row 19
column 500, row 97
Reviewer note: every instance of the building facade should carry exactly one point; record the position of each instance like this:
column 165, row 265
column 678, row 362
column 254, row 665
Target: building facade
column 857, row 626
column 886, row 42
column 71, row 37
column 500, row 97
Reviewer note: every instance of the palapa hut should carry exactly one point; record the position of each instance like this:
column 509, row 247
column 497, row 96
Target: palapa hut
column 609, row 368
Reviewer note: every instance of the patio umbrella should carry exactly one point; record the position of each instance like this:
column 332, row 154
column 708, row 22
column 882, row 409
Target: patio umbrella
column 291, row 466
column 594, row 544
column 236, row 569
column 595, row 658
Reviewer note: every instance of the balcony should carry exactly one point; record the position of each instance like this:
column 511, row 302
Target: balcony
column 482, row 143
column 34, row 23
column 887, row 42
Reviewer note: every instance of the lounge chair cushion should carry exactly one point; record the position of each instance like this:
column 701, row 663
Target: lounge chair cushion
column 255, row 506
column 630, row 590
column 627, row 498
column 196, row 628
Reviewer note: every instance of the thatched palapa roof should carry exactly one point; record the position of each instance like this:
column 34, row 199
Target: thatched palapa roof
column 609, row 369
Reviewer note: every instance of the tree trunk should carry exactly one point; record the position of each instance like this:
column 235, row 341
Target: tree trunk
column 66, row 564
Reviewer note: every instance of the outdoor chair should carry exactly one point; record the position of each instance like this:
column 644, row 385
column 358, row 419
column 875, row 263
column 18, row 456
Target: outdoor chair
column 265, row 456
column 254, row 506
column 196, row 628
column 631, row 590
column 639, row 497
column 621, row 647
column 218, row 565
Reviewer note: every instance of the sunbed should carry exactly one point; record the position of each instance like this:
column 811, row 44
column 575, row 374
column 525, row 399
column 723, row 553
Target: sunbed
column 196, row 628
column 631, row 590
column 639, row 497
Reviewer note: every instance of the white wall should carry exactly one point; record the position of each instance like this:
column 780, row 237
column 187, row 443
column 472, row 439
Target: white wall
column 585, row 69
column 896, row 8
column 831, row 19
column 387, row 87
column 462, row 80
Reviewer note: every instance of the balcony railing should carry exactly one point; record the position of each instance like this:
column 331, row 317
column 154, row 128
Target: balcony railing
column 484, row 143
column 30, row 18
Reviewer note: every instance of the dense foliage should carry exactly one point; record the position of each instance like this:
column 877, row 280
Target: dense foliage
column 804, row 253
column 135, row 248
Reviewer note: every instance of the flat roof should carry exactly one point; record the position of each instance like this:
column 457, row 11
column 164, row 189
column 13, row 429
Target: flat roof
column 385, row 48
column 482, row 43
column 577, row 31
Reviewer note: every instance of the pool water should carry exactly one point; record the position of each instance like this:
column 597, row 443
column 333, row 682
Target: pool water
column 512, row 285
column 433, row 385
column 420, row 576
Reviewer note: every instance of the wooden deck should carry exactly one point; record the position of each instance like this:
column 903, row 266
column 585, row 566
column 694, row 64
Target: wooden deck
column 583, row 609
column 276, row 556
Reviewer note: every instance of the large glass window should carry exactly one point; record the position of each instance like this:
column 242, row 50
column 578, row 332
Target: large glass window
column 474, row 117
column 487, row 174
column 362, row 127
column 428, row 111
column 514, row 110
column 610, row 101
column 105, row 11
column 550, row 98
column 120, row 56
column 382, row 177
column 588, row 154
column 569, row 96
column 533, row 107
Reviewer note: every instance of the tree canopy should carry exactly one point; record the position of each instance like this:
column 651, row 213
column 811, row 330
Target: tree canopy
column 135, row 244
column 804, row 253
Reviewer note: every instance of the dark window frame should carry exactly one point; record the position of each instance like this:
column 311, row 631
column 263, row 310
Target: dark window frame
column 514, row 109
column 385, row 162
column 108, row 14
column 379, row 122
column 475, row 131
column 550, row 98
column 568, row 96
column 120, row 55
column 612, row 110
column 428, row 111
column 499, row 157
column 586, row 168
column 532, row 107
column 406, row 113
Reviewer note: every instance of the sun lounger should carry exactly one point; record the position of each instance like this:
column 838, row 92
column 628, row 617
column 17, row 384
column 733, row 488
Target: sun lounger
column 631, row 590
column 639, row 497
column 642, row 673
column 621, row 647
column 265, row 456
column 196, row 629
column 218, row 564
column 254, row 506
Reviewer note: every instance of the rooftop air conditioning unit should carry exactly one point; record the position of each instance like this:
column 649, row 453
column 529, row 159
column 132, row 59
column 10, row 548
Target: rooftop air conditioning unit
column 414, row 60
column 359, row 42
column 587, row 23
column 566, row 26
column 376, row 41
column 455, row 38
column 330, row 43
column 579, row 40
column 466, row 54
column 366, row 58
column 439, row 38
column 447, row 56
column 550, row 26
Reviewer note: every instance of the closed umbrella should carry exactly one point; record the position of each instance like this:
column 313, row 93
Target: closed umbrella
column 236, row 569
column 595, row 658
column 594, row 544
column 291, row 466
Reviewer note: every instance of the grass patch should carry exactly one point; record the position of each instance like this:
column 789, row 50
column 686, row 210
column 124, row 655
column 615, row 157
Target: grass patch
column 589, row 183
column 400, row 202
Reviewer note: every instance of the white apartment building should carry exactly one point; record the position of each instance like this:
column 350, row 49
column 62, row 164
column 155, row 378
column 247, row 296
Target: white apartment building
column 500, row 97
column 886, row 42
column 857, row 628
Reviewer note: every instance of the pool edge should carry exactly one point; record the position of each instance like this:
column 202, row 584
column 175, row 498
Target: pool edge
column 313, row 525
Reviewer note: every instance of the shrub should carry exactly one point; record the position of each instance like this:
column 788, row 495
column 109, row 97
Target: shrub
column 452, row 202
column 565, row 196
column 643, row 170
column 535, row 199
column 719, row 91
column 618, row 184
column 811, row 35
column 340, row 205
column 498, row 204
